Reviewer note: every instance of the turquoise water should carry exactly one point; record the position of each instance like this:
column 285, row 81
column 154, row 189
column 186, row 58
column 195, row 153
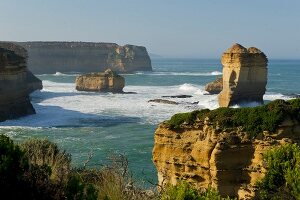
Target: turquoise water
column 101, row 124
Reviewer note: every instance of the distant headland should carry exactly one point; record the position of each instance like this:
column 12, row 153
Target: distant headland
column 50, row 57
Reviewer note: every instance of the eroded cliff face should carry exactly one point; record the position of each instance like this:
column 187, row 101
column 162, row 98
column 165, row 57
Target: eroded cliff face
column 228, row 159
column 244, row 75
column 51, row 57
column 14, row 99
column 107, row 81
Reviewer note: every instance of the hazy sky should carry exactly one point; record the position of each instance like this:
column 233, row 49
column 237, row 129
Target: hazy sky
column 172, row 28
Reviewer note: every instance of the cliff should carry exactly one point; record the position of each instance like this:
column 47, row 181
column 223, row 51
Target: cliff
column 223, row 148
column 107, row 81
column 33, row 83
column 14, row 99
column 51, row 57
column 244, row 75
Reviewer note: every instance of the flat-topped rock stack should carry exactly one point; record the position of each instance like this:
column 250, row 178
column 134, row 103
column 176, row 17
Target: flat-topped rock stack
column 244, row 75
column 108, row 81
column 14, row 99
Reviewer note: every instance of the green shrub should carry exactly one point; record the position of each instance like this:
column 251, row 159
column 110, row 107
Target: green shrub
column 13, row 166
column 252, row 120
column 184, row 191
column 43, row 152
column 282, row 179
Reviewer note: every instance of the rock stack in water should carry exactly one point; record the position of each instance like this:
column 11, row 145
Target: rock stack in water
column 244, row 75
column 14, row 99
column 108, row 81
column 214, row 87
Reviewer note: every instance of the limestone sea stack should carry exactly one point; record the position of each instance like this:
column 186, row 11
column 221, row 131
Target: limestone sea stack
column 215, row 87
column 14, row 99
column 108, row 81
column 51, row 57
column 244, row 75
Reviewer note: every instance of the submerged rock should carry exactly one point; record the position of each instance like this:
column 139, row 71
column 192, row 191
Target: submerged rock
column 14, row 99
column 107, row 81
column 244, row 75
column 163, row 101
column 183, row 96
column 215, row 87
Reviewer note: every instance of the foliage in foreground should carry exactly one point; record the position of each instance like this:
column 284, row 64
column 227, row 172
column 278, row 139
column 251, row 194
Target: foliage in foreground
column 252, row 120
column 282, row 180
column 184, row 191
column 38, row 169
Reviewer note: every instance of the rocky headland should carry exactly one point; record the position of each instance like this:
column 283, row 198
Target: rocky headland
column 108, row 81
column 52, row 57
column 244, row 75
column 14, row 90
column 224, row 148
column 33, row 83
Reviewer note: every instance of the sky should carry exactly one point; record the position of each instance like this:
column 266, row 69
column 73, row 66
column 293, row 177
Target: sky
column 170, row 28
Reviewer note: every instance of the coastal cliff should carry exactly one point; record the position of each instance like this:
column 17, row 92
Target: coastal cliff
column 14, row 99
column 52, row 57
column 224, row 148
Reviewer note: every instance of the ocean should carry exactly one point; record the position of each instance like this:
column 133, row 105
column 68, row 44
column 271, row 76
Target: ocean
column 98, row 124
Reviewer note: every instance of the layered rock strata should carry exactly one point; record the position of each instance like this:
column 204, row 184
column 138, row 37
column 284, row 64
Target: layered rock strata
column 52, row 57
column 14, row 99
column 108, row 81
column 215, row 87
column 202, row 152
column 244, row 75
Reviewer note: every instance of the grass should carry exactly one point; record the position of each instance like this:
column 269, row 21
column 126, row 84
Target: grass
column 252, row 120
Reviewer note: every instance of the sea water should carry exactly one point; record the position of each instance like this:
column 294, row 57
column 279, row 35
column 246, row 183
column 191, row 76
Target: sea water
column 99, row 124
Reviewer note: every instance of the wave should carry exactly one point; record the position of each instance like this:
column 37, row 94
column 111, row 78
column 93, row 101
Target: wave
column 214, row 73
column 60, row 105
column 60, row 74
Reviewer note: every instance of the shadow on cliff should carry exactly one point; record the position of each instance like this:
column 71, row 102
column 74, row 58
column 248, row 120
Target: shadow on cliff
column 233, row 176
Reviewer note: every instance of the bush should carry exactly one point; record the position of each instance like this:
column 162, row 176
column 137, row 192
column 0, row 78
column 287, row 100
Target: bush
column 184, row 191
column 282, row 180
column 42, row 152
column 13, row 166
column 252, row 120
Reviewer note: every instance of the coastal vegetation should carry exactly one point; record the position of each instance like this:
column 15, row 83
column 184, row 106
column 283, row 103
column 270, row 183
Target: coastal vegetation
column 282, row 180
column 252, row 120
column 38, row 169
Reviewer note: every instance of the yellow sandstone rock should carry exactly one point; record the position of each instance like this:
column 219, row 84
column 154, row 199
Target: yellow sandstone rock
column 206, row 156
column 244, row 75
column 107, row 81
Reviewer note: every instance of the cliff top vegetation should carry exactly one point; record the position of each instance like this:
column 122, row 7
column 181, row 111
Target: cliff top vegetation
column 252, row 120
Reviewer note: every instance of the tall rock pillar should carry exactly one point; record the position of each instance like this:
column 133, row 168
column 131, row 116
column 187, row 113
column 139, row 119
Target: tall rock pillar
column 244, row 75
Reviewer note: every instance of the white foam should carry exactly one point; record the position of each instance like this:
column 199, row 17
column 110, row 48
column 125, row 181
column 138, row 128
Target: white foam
column 214, row 73
column 59, row 104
